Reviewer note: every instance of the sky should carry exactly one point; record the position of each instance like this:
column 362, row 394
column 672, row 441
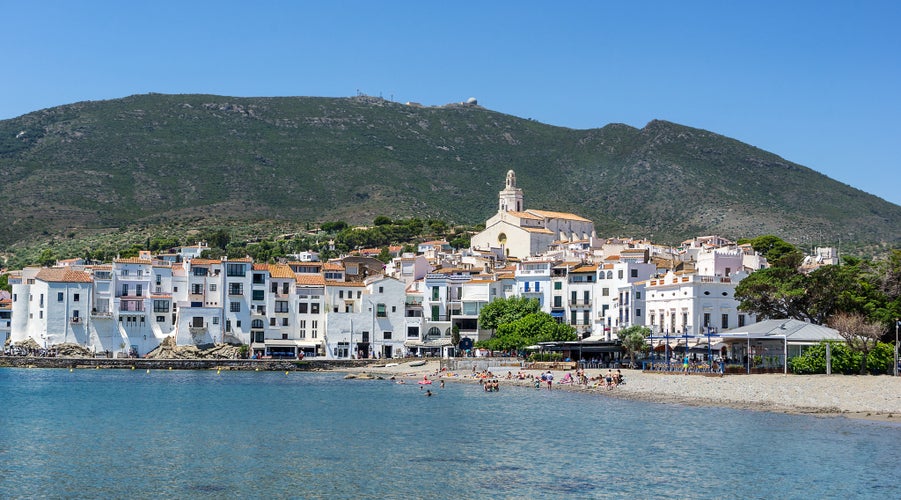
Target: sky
column 815, row 82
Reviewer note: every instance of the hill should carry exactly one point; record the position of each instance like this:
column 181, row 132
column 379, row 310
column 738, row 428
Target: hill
column 156, row 158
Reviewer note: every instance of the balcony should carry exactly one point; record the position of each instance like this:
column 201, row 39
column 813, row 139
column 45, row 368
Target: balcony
column 197, row 330
column 580, row 303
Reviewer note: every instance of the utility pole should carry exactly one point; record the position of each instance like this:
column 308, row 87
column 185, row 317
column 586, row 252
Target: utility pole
column 897, row 322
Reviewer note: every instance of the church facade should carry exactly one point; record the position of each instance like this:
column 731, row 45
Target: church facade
column 518, row 232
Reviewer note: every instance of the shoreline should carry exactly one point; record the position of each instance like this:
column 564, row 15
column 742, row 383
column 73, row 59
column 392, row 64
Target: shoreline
column 863, row 397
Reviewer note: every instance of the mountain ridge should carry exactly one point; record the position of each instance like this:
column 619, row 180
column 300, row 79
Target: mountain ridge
column 152, row 157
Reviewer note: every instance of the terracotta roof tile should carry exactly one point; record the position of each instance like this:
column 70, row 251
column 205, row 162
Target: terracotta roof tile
column 61, row 275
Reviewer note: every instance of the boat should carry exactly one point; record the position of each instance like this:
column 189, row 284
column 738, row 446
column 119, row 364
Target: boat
column 389, row 365
column 418, row 363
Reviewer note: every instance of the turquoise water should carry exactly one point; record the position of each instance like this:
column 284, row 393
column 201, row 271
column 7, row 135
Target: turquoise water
column 199, row 434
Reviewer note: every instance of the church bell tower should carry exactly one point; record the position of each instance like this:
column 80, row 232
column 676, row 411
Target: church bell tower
column 510, row 199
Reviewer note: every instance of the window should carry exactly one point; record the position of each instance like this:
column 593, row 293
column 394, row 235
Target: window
column 302, row 307
column 605, row 292
column 125, row 289
column 236, row 288
column 587, row 297
column 340, row 294
column 435, row 293
column 59, row 296
column 633, row 273
column 725, row 321
column 139, row 290
column 558, row 285
column 234, row 307
column 259, row 295
column 75, row 297
column 382, row 290
column 197, row 289
column 313, row 325
column 199, row 271
column 271, row 321
column 435, row 313
column 412, row 332
column 741, row 320
column 160, row 306
column 281, row 306
column 386, row 335
column 558, row 301
column 380, row 311
column 638, row 314
column 637, row 295
column 212, row 287
column 537, row 286
column 235, row 269
column 706, row 319
column 160, row 319
column 257, row 324
column 285, row 288
column 314, row 308
column 393, row 309
column 572, row 317
column 302, row 328
column 215, row 320
column 273, row 287
column 228, row 325
column 259, row 278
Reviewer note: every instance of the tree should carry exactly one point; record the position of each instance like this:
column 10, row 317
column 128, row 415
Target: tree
column 381, row 220
column 500, row 311
column 634, row 339
column 530, row 329
column 778, row 252
column 860, row 334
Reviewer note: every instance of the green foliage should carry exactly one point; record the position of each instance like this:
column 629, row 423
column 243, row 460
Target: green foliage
column 844, row 359
column 551, row 357
column 777, row 251
column 528, row 330
column 786, row 292
column 634, row 340
column 4, row 283
column 333, row 227
column 500, row 311
column 381, row 220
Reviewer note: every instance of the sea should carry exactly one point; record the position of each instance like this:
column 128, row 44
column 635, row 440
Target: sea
column 240, row 434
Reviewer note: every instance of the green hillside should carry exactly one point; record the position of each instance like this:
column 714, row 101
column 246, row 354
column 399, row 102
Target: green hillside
column 155, row 158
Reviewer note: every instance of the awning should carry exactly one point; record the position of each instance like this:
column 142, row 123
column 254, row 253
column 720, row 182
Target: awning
column 285, row 343
column 557, row 314
column 429, row 344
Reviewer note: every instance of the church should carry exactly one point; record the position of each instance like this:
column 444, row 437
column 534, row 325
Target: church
column 519, row 233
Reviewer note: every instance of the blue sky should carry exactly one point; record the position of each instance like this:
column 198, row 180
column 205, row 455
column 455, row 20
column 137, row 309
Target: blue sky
column 816, row 82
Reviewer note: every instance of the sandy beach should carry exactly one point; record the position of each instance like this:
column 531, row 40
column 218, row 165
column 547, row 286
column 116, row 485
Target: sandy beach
column 869, row 397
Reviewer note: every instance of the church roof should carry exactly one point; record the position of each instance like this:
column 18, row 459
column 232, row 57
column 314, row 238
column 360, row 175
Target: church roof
column 539, row 230
column 557, row 215
column 525, row 215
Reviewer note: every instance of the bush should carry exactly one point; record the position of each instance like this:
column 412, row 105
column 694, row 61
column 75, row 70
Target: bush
column 546, row 356
column 844, row 360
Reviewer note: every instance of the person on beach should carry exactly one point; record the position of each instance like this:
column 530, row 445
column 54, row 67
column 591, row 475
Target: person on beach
column 428, row 393
column 549, row 379
column 442, row 383
column 608, row 380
